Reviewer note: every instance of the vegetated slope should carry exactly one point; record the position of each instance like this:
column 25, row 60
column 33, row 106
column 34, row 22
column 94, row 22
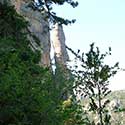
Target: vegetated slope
column 118, row 117
column 117, row 98
column 120, row 94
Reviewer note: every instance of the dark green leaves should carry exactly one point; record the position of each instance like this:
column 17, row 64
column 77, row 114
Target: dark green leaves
column 10, row 22
column 47, row 6
column 92, row 80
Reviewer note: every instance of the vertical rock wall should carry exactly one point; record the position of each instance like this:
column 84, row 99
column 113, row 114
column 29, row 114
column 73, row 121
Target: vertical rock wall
column 38, row 29
column 58, row 41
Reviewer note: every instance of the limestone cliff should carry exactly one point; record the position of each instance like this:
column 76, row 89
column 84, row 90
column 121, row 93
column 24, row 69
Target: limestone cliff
column 38, row 29
column 58, row 41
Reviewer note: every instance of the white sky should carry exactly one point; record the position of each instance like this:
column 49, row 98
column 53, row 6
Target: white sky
column 102, row 22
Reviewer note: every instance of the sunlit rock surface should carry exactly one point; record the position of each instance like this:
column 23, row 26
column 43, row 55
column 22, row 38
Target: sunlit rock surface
column 58, row 41
column 38, row 30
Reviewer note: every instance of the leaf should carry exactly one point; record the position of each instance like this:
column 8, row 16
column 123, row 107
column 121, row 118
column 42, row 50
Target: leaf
column 108, row 92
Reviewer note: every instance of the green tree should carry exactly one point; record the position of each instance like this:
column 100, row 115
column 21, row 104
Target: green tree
column 92, row 80
column 27, row 91
column 47, row 6
column 29, row 94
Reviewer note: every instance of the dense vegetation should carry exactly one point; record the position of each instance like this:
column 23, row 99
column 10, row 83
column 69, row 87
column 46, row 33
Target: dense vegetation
column 116, row 108
column 22, row 81
column 34, row 95
column 29, row 94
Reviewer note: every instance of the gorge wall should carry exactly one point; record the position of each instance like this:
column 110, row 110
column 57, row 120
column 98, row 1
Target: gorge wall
column 38, row 28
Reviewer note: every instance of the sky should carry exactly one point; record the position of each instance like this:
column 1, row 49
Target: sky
column 101, row 22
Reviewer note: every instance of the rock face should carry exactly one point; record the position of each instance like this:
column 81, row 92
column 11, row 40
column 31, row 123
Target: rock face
column 58, row 40
column 38, row 29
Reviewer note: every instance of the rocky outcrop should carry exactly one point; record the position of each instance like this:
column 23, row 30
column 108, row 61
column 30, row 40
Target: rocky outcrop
column 38, row 29
column 58, row 41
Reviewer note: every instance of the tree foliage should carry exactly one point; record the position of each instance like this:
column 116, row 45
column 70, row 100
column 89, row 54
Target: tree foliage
column 92, row 80
column 33, row 95
column 26, row 89
column 29, row 94
column 47, row 6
